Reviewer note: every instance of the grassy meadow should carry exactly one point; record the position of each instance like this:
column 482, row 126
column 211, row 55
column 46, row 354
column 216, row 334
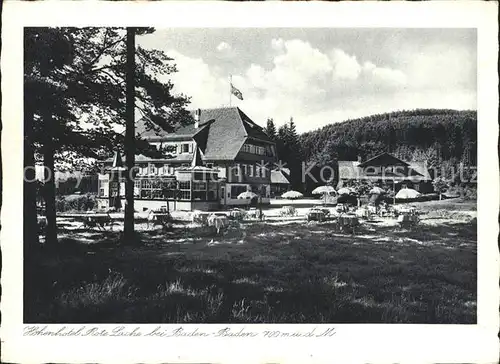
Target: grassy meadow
column 261, row 273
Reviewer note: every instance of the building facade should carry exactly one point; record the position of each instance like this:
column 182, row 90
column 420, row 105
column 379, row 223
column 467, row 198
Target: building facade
column 280, row 181
column 205, row 166
column 386, row 169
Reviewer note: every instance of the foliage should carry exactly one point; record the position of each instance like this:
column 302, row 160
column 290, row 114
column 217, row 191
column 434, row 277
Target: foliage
column 74, row 91
column 289, row 151
column 272, row 274
column 271, row 129
column 361, row 187
column 440, row 185
column 423, row 134
column 76, row 203
column 84, row 89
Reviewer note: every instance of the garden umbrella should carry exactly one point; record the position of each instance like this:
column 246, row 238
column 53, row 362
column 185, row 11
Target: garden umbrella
column 407, row 193
column 247, row 195
column 292, row 195
column 376, row 191
column 323, row 190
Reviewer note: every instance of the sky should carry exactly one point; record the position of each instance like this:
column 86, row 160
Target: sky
column 322, row 76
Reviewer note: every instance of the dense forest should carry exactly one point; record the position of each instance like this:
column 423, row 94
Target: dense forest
column 444, row 138
column 433, row 135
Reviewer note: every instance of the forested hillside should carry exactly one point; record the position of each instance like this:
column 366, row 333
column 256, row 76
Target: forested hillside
column 434, row 135
column 446, row 139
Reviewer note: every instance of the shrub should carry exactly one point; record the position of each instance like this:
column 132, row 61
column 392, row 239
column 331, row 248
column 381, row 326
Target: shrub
column 113, row 288
column 76, row 202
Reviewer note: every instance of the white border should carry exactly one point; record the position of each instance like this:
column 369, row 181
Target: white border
column 352, row 343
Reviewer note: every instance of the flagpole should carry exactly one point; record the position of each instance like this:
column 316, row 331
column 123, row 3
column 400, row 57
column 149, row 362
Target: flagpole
column 230, row 88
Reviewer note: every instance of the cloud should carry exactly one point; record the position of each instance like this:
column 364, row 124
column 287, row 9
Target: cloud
column 223, row 47
column 277, row 44
column 318, row 87
column 344, row 65
column 298, row 69
column 384, row 75
column 196, row 79
column 451, row 68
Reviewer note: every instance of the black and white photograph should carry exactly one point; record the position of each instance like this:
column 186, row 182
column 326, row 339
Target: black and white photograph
column 249, row 175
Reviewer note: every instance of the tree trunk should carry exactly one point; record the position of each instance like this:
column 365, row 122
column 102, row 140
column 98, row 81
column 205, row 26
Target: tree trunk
column 30, row 224
column 128, row 231
column 50, row 192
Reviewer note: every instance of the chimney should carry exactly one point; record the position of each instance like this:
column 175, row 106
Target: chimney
column 197, row 115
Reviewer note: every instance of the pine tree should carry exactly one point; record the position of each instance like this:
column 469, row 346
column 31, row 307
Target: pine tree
column 75, row 77
column 128, row 228
column 271, row 129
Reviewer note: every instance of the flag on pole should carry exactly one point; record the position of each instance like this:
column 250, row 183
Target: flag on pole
column 236, row 92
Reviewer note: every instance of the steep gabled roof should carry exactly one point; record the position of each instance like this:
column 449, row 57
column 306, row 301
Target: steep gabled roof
column 380, row 156
column 253, row 130
column 226, row 133
column 183, row 132
column 420, row 168
column 220, row 134
column 355, row 170
column 279, row 177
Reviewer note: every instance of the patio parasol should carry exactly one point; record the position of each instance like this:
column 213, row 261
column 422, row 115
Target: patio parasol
column 247, row 195
column 291, row 195
column 324, row 190
column 407, row 193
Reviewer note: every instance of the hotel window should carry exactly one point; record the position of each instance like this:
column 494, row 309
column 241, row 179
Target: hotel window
column 250, row 170
column 185, row 148
column 185, row 190
column 236, row 170
column 236, row 190
column 257, row 171
column 168, row 188
column 156, row 189
column 246, row 148
column 263, row 172
column 137, row 188
column 199, row 190
column 210, row 165
column 199, row 176
column 146, row 188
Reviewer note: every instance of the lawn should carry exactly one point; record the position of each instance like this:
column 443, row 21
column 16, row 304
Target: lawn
column 262, row 273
